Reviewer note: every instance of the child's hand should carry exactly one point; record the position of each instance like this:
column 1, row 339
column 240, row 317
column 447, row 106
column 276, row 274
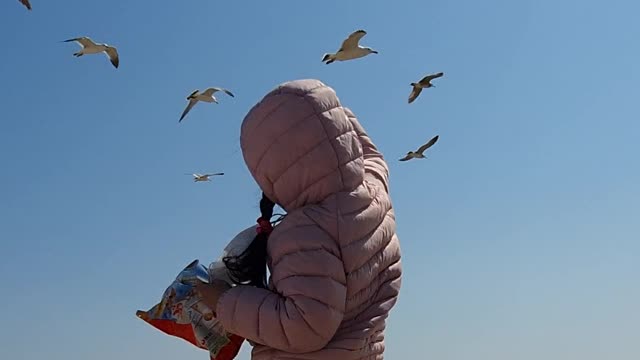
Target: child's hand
column 210, row 293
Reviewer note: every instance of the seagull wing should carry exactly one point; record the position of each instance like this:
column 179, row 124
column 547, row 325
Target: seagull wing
column 353, row 39
column 214, row 174
column 428, row 78
column 191, row 104
column 112, row 54
column 26, row 3
column 406, row 158
column 192, row 94
column 228, row 92
column 428, row 145
column 414, row 93
column 83, row 41
column 210, row 91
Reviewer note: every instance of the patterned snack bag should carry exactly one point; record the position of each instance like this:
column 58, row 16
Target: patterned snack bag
column 180, row 312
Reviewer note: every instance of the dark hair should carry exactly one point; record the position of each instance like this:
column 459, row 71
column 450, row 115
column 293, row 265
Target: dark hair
column 250, row 266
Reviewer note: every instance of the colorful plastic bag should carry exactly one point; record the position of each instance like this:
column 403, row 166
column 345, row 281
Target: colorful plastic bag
column 180, row 312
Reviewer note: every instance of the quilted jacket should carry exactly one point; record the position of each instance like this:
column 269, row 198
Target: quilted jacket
column 334, row 261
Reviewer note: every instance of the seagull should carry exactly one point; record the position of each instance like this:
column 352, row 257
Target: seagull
column 203, row 177
column 206, row 96
column 26, row 3
column 89, row 47
column 418, row 154
column 422, row 84
column 350, row 49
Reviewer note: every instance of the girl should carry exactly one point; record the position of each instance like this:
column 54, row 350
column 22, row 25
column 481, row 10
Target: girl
column 334, row 261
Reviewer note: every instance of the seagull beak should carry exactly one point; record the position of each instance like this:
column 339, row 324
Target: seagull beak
column 374, row 51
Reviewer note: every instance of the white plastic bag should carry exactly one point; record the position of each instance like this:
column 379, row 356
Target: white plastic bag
column 236, row 246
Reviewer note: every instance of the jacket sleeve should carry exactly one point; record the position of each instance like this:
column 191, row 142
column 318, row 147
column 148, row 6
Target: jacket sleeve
column 374, row 162
column 308, row 307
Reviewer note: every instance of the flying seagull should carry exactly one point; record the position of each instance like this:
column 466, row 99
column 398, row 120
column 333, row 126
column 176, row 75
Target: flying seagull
column 422, row 84
column 350, row 49
column 418, row 154
column 26, row 3
column 206, row 96
column 89, row 47
column 203, row 177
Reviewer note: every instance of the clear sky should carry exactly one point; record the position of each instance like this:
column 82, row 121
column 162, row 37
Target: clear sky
column 519, row 232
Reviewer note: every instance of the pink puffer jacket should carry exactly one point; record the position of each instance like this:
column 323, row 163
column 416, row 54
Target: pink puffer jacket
column 335, row 259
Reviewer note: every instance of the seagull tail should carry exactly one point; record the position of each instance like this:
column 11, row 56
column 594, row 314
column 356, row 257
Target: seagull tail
column 327, row 57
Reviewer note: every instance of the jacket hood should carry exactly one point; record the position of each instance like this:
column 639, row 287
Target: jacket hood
column 300, row 146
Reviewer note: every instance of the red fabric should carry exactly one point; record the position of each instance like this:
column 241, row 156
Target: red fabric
column 264, row 226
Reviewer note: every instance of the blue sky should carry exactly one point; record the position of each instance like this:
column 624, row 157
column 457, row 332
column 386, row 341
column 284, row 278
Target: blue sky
column 517, row 233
